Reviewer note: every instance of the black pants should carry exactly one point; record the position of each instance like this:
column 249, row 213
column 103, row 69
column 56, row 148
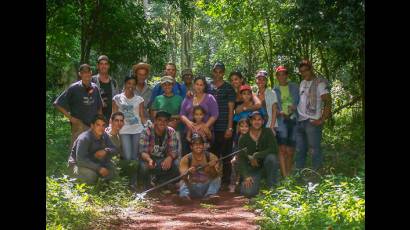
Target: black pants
column 222, row 147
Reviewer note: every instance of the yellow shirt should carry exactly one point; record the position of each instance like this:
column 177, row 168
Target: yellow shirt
column 286, row 99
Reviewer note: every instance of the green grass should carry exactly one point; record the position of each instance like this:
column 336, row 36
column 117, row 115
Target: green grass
column 337, row 202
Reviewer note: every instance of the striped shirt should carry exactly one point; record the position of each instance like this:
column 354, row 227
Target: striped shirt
column 224, row 94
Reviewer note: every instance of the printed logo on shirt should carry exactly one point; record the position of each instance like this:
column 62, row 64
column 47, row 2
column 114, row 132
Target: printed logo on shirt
column 158, row 151
column 88, row 100
column 129, row 116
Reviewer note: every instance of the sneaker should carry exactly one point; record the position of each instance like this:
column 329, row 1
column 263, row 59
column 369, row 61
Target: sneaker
column 212, row 199
column 232, row 188
column 183, row 200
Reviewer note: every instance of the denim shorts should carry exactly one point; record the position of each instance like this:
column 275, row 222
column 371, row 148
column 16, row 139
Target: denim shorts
column 286, row 133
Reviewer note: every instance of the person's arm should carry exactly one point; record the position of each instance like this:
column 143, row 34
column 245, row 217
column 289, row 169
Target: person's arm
column 257, row 104
column 327, row 107
column 172, row 147
column 99, row 101
column 82, row 155
column 228, row 132
column 327, row 104
column 61, row 103
column 271, row 148
column 184, row 113
column 144, row 145
column 213, row 111
column 274, row 114
column 183, row 165
column 64, row 111
column 214, row 168
column 110, row 148
column 141, row 113
column 114, row 107
column 188, row 135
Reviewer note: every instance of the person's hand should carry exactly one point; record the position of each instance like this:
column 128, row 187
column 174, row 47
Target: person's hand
column 100, row 154
column 191, row 125
column 103, row 171
column 316, row 122
column 189, row 94
column 254, row 163
column 233, row 160
column 166, row 164
column 173, row 122
column 74, row 120
column 292, row 108
column 273, row 130
column 228, row 134
column 212, row 163
column 151, row 164
column 248, row 182
column 192, row 170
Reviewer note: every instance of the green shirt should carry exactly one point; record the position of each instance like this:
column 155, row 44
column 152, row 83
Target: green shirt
column 170, row 104
column 260, row 149
column 286, row 98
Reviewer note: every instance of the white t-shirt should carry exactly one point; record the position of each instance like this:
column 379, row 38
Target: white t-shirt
column 304, row 97
column 130, row 109
column 270, row 99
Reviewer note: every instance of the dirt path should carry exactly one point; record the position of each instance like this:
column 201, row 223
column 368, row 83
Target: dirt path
column 228, row 213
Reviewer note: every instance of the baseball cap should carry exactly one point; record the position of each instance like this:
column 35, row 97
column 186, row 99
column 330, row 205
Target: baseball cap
column 219, row 65
column 186, row 72
column 102, row 57
column 245, row 87
column 281, row 68
column 84, row 67
column 165, row 79
column 254, row 113
column 262, row 73
column 196, row 138
column 162, row 113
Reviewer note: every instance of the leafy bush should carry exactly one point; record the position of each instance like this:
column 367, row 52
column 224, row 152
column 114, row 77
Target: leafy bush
column 337, row 202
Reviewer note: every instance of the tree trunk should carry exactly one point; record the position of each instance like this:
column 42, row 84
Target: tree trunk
column 89, row 24
column 270, row 62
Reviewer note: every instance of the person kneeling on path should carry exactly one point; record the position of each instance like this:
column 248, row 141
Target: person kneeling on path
column 203, row 183
column 260, row 155
column 159, row 151
column 91, row 154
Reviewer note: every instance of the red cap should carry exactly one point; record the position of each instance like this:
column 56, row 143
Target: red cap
column 245, row 87
column 281, row 68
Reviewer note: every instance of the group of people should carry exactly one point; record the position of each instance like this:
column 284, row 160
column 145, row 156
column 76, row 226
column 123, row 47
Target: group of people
column 185, row 128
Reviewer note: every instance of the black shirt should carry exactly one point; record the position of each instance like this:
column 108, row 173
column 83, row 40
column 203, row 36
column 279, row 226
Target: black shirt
column 106, row 96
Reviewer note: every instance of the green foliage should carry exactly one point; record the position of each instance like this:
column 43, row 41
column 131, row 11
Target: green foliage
column 336, row 202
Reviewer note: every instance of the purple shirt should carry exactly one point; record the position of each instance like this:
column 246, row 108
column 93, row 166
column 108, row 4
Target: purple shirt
column 208, row 103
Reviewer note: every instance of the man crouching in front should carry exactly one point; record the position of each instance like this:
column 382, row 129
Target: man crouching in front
column 203, row 183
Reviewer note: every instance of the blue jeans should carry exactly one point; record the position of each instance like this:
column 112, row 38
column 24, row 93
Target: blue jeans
column 162, row 175
column 200, row 189
column 89, row 176
column 308, row 135
column 271, row 167
column 130, row 146
column 286, row 132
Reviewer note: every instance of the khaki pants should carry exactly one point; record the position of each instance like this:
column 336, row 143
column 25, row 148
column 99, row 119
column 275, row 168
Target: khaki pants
column 76, row 130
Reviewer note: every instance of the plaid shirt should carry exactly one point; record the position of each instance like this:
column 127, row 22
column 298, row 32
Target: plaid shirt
column 170, row 144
